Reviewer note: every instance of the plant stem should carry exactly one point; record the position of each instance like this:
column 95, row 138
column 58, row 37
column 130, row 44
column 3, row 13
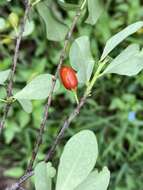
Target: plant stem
column 65, row 126
column 95, row 77
column 75, row 112
column 29, row 172
column 14, row 64
column 49, row 100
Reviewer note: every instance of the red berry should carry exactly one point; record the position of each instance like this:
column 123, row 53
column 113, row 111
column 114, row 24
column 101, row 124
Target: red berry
column 68, row 78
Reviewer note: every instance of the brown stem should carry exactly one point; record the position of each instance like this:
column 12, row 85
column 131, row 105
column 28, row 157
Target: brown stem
column 46, row 113
column 66, row 125
column 48, row 104
column 14, row 65
column 21, row 180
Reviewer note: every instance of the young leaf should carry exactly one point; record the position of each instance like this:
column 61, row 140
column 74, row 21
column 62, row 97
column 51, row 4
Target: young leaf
column 43, row 174
column 96, row 181
column 119, row 37
column 38, row 88
column 56, row 30
column 129, row 62
column 81, row 58
column 77, row 160
column 3, row 76
column 95, row 9
column 26, row 105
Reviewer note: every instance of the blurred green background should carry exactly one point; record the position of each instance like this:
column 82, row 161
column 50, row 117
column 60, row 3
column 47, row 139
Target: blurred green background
column 114, row 111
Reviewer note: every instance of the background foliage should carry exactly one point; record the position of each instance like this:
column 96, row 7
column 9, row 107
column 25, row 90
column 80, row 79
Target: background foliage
column 114, row 112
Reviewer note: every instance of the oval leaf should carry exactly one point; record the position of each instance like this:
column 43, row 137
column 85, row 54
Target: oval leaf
column 119, row 37
column 4, row 76
column 95, row 10
column 129, row 62
column 96, row 181
column 56, row 30
column 77, row 160
column 81, row 58
column 38, row 88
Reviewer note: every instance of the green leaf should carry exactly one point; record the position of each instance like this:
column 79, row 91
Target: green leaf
column 38, row 88
column 43, row 177
column 119, row 37
column 4, row 76
column 29, row 28
column 95, row 10
column 15, row 172
column 55, row 29
column 77, row 160
column 129, row 62
column 69, row 6
column 10, row 131
column 81, row 58
column 96, row 181
column 26, row 105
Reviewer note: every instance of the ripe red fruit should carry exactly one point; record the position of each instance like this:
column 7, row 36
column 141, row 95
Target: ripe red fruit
column 68, row 78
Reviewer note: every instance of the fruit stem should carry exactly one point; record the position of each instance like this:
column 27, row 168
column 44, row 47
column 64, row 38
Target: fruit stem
column 75, row 95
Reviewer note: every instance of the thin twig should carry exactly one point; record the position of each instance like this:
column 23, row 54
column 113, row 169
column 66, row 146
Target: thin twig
column 64, row 128
column 46, row 111
column 68, row 121
column 57, row 140
column 75, row 112
column 21, row 180
column 14, row 64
